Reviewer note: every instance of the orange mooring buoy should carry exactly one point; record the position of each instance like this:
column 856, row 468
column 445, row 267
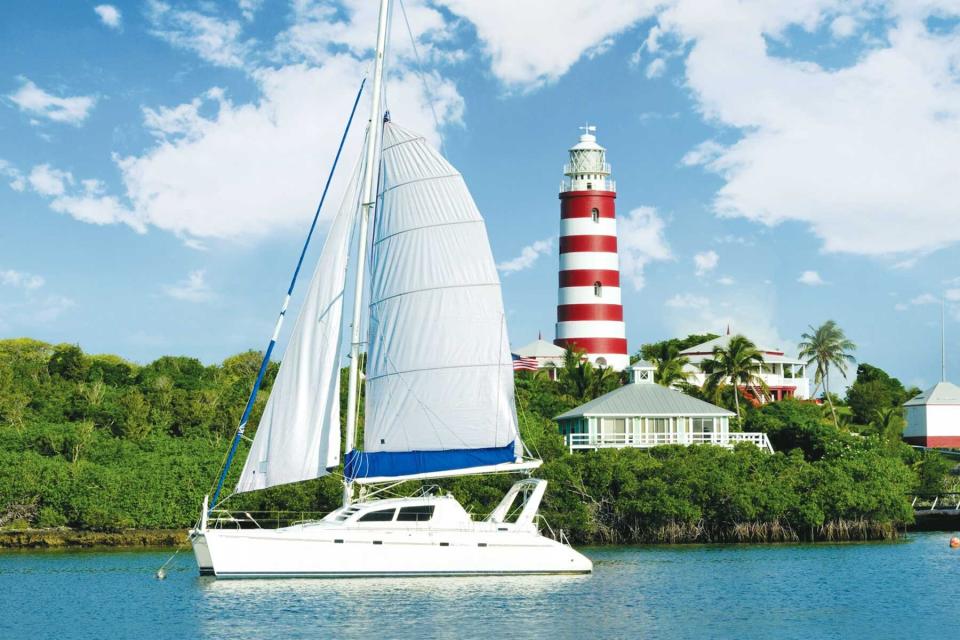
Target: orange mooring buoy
column 954, row 542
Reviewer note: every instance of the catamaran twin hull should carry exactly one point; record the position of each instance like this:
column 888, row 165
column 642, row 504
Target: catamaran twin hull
column 425, row 536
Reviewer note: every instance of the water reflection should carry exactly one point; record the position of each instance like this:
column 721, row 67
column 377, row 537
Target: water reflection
column 390, row 607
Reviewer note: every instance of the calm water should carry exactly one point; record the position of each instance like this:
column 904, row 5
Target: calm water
column 893, row 590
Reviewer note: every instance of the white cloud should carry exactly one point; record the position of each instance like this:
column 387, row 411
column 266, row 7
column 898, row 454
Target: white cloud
column 536, row 41
column 953, row 295
column 528, row 256
column 48, row 181
column 216, row 40
column 811, row 278
column 704, row 153
column 726, row 281
column 35, row 101
column 843, row 26
column 221, row 169
column 863, row 154
column 641, row 241
column 741, row 310
column 656, row 68
column 705, row 262
column 687, row 301
column 319, row 29
column 925, row 298
column 251, row 169
column 21, row 280
column 109, row 15
column 193, row 289
column 50, row 308
column 249, row 8
column 17, row 181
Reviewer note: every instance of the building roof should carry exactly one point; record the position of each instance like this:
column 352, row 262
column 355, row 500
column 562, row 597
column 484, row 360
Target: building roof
column 706, row 349
column 941, row 393
column 541, row 349
column 644, row 400
column 643, row 364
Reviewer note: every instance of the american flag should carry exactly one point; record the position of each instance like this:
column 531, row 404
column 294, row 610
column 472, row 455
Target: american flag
column 524, row 364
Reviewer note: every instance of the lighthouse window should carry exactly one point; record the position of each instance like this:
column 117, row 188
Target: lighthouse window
column 595, row 214
column 597, row 289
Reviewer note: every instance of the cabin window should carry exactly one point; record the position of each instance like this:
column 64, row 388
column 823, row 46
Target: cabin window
column 415, row 514
column 589, row 185
column 595, row 214
column 598, row 289
column 383, row 515
column 601, row 362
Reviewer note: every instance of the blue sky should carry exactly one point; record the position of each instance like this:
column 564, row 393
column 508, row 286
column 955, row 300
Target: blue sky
column 778, row 164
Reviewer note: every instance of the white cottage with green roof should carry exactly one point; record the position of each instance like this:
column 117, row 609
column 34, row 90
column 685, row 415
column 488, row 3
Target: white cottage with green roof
column 644, row 414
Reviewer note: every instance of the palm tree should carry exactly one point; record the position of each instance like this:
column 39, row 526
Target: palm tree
column 828, row 346
column 738, row 364
column 669, row 365
column 584, row 381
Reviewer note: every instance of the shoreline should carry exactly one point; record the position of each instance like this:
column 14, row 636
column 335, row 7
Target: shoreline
column 71, row 539
column 62, row 538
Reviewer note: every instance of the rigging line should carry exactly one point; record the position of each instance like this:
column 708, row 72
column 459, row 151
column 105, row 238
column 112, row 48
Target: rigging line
column 423, row 76
column 273, row 341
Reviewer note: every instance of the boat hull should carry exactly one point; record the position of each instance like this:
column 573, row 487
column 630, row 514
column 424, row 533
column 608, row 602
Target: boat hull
column 303, row 551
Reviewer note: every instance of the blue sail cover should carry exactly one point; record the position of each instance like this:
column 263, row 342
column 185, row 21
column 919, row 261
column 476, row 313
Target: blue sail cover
column 439, row 376
column 391, row 464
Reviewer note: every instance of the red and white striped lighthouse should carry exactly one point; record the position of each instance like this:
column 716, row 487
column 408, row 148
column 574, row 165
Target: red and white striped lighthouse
column 589, row 312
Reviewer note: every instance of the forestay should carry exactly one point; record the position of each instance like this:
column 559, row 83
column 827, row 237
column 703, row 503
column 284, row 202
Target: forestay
column 299, row 434
column 439, row 382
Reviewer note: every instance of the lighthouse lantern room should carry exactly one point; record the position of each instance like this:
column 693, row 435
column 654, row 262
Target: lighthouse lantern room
column 589, row 311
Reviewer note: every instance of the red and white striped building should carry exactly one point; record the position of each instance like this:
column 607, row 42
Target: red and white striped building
column 589, row 312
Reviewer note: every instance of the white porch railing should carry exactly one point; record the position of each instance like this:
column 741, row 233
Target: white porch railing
column 647, row 440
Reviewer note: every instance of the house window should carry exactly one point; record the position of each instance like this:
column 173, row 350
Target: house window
column 702, row 426
column 601, row 362
column 598, row 289
column 614, row 430
column 595, row 214
column 659, row 425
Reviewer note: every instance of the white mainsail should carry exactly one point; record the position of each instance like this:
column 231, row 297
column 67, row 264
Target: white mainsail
column 439, row 383
column 299, row 434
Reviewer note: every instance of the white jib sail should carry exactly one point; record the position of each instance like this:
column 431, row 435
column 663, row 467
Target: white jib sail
column 298, row 437
column 439, row 371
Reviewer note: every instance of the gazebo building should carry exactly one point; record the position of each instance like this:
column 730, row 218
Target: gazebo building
column 644, row 414
column 933, row 417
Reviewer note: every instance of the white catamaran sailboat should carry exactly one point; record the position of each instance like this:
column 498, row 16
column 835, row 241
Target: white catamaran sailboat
column 439, row 390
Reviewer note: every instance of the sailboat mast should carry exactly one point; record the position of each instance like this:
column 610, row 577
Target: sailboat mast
column 370, row 170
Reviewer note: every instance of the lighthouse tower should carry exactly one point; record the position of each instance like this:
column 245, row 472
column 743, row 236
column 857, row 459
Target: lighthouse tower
column 589, row 312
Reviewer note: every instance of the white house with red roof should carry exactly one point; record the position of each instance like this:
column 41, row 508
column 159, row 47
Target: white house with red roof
column 785, row 375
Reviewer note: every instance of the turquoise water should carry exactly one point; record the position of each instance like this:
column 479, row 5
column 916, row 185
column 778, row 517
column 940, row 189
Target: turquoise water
column 906, row 589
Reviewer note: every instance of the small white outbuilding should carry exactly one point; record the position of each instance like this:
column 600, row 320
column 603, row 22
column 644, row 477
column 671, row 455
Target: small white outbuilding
column 933, row 417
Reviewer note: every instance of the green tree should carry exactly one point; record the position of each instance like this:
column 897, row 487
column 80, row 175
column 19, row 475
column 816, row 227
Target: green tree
column 873, row 391
column 584, row 381
column 669, row 364
column 828, row 346
column 68, row 363
column 738, row 364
